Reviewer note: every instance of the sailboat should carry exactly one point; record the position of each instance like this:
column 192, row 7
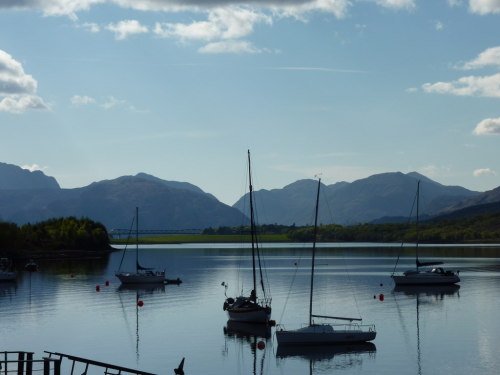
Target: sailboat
column 141, row 275
column 250, row 308
column 7, row 271
column 418, row 276
column 324, row 333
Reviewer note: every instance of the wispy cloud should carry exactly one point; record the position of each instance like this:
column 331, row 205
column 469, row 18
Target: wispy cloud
column 82, row 100
column 396, row 4
column 126, row 28
column 438, row 25
column 318, row 69
column 34, row 167
column 489, row 57
column 489, row 126
column 484, row 6
column 17, row 89
column 231, row 46
column 483, row 172
column 487, row 86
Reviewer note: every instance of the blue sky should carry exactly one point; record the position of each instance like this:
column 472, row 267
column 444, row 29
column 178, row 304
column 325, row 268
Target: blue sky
column 97, row 89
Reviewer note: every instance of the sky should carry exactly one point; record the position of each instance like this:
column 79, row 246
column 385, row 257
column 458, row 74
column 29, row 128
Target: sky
column 96, row 89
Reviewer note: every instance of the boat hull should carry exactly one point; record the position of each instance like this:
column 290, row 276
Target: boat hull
column 250, row 315
column 8, row 276
column 141, row 278
column 426, row 278
column 324, row 334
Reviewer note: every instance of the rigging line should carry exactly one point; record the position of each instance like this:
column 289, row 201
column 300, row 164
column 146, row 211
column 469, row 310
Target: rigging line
column 403, row 241
column 350, row 283
column 290, row 289
column 126, row 244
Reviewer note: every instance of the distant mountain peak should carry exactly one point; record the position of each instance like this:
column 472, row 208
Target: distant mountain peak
column 15, row 177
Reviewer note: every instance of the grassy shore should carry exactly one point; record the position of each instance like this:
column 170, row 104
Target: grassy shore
column 202, row 238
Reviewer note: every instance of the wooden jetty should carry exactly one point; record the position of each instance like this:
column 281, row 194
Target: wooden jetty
column 22, row 363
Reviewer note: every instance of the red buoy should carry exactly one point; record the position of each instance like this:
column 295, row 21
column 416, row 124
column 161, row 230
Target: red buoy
column 381, row 297
column 140, row 303
column 107, row 283
column 261, row 345
column 97, row 288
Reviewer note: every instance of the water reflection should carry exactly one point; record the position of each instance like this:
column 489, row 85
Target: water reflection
column 329, row 357
column 8, row 289
column 437, row 291
column 430, row 294
column 252, row 337
column 138, row 291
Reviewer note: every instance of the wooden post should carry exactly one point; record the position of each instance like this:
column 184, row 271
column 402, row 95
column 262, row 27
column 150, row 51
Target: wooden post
column 20, row 363
column 29, row 363
column 46, row 366
column 57, row 366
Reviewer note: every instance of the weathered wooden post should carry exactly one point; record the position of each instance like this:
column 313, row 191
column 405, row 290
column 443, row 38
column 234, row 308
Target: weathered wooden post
column 29, row 363
column 20, row 363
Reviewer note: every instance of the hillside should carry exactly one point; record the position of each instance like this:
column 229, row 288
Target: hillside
column 112, row 203
column 364, row 200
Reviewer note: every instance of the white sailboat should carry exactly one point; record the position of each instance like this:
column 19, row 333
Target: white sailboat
column 7, row 271
column 324, row 333
column 141, row 275
column 250, row 308
column 419, row 276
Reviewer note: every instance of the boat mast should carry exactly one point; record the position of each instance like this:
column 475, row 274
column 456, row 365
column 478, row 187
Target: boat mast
column 136, row 239
column 252, row 227
column 314, row 253
column 417, row 234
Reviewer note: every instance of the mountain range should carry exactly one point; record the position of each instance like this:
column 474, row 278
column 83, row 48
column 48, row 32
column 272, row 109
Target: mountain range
column 29, row 197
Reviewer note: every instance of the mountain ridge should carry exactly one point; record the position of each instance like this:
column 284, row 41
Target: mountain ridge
column 180, row 205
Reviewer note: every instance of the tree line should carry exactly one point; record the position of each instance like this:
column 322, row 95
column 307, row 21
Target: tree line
column 67, row 233
column 478, row 228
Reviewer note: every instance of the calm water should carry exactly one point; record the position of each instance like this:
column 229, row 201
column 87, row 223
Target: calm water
column 420, row 331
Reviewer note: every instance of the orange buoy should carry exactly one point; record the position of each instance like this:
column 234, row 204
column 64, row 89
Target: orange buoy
column 261, row 345
column 381, row 297
column 140, row 303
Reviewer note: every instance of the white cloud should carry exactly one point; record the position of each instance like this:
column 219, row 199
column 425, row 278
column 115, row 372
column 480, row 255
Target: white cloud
column 484, row 172
column 489, row 126
column 92, row 27
column 33, row 167
column 439, row 25
column 17, row 89
column 434, row 171
column 396, row 4
column 113, row 102
column 124, row 29
column 82, row 100
column 230, row 46
column 484, row 6
column 487, row 86
column 489, row 57
column 222, row 23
